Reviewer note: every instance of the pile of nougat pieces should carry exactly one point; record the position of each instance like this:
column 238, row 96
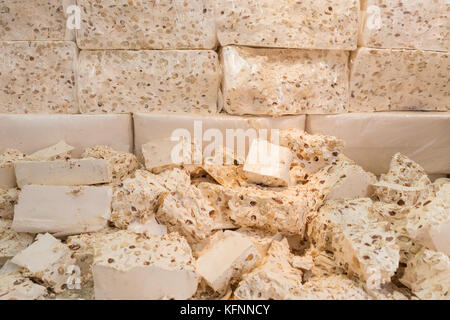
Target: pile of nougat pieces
column 308, row 224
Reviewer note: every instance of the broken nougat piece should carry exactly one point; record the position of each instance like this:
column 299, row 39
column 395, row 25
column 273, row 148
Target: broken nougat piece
column 273, row 210
column 123, row 164
column 406, row 184
column 361, row 245
column 408, row 24
column 343, row 179
column 187, row 212
column 311, row 152
column 429, row 224
column 218, row 197
column 11, row 242
column 8, row 199
column 275, row 278
column 398, row 80
column 226, row 258
column 7, row 174
column 307, row 24
column 280, row 82
column 268, row 164
column 168, row 81
column 48, row 261
column 15, row 286
column 136, row 199
column 59, row 151
column 428, row 275
column 38, row 77
column 62, row 210
column 335, row 287
column 123, row 259
column 147, row 24
column 226, row 170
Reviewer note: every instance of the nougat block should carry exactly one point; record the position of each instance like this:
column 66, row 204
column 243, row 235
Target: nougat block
column 129, row 266
column 307, row 24
column 35, row 20
column 38, row 77
column 147, row 24
column 399, row 80
column 408, row 24
column 284, row 81
column 125, row 81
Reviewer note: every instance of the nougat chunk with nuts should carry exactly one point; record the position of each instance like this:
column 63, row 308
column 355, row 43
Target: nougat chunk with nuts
column 15, row 286
column 188, row 212
column 171, row 179
column 59, row 151
column 406, row 183
column 7, row 174
column 273, row 210
column 429, row 224
column 428, row 275
column 361, row 245
column 123, row 259
column 439, row 183
column 268, row 164
column 226, row 258
column 136, row 199
column 218, row 197
column 335, row 287
column 47, row 260
column 11, row 242
column 275, row 278
column 312, row 152
column 123, row 164
column 8, row 199
column 343, row 180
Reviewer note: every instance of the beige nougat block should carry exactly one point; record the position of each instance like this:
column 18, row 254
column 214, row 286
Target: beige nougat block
column 62, row 210
column 124, row 81
column 307, row 24
column 129, row 266
column 147, row 24
column 412, row 24
column 34, row 20
column 38, row 77
column 63, row 173
column 399, row 80
column 284, row 81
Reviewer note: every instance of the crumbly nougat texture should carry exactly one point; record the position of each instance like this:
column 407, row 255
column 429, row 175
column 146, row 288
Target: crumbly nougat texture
column 361, row 244
column 428, row 275
column 274, row 279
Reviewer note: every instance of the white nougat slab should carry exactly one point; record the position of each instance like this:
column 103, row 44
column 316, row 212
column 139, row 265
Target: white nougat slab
column 62, row 210
column 63, row 173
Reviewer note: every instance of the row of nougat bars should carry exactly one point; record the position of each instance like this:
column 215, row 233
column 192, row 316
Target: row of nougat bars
column 50, row 77
column 371, row 138
column 200, row 24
